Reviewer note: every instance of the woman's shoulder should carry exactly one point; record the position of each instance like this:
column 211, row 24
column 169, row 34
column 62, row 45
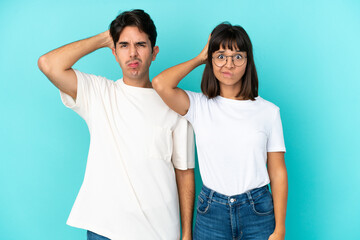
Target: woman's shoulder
column 267, row 104
column 196, row 95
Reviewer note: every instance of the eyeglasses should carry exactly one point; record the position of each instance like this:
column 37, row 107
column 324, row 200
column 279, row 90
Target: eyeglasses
column 220, row 59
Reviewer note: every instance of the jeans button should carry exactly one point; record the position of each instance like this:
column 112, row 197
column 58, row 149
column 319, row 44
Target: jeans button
column 232, row 200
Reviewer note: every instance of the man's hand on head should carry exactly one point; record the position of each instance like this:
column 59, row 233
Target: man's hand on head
column 108, row 41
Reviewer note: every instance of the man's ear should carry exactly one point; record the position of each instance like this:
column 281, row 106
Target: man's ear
column 114, row 53
column 155, row 52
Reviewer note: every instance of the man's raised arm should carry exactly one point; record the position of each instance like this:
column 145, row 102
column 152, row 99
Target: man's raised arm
column 56, row 65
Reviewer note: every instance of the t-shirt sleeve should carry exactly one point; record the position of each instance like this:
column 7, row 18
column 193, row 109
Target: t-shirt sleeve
column 276, row 137
column 88, row 87
column 183, row 156
column 191, row 113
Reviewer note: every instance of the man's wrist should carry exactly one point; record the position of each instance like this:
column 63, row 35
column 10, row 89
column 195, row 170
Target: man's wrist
column 186, row 232
column 105, row 40
column 186, row 235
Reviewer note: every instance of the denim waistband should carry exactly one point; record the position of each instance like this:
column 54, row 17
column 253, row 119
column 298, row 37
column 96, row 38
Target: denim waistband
column 235, row 199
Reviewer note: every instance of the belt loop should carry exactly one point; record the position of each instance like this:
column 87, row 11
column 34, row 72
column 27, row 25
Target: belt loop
column 211, row 195
column 248, row 193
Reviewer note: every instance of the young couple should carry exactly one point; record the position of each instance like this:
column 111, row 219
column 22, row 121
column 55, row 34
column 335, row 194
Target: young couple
column 139, row 172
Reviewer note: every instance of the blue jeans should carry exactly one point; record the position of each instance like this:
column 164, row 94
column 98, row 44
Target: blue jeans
column 241, row 217
column 94, row 236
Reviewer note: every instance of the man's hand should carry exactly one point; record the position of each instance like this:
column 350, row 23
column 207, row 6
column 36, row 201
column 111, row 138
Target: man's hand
column 186, row 237
column 108, row 39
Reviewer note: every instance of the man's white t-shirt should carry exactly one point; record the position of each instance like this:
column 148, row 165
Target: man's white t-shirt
column 233, row 138
column 129, row 189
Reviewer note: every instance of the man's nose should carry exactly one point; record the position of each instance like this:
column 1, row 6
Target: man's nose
column 133, row 51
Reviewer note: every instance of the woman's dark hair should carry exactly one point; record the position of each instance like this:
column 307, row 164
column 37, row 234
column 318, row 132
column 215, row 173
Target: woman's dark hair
column 137, row 18
column 229, row 36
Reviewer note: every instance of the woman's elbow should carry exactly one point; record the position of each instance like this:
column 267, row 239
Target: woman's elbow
column 157, row 84
column 43, row 64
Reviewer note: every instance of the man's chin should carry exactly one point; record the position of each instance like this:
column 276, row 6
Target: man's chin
column 134, row 75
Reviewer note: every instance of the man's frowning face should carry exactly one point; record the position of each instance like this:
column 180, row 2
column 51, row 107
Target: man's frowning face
column 134, row 53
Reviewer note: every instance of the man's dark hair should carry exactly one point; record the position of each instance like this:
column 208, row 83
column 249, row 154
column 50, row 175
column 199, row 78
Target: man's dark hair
column 137, row 18
column 229, row 36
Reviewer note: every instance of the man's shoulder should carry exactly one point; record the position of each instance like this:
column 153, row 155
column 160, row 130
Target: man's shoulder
column 92, row 77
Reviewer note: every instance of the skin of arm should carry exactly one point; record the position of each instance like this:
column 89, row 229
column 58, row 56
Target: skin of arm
column 56, row 64
column 186, row 187
column 279, row 188
column 166, row 83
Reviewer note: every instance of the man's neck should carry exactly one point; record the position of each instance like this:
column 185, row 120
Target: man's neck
column 142, row 83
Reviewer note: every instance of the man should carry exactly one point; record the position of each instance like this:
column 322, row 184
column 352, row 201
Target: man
column 130, row 188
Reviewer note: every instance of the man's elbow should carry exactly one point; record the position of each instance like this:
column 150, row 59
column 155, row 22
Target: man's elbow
column 186, row 173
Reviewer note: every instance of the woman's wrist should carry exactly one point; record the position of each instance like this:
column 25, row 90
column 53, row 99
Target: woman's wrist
column 199, row 60
column 280, row 229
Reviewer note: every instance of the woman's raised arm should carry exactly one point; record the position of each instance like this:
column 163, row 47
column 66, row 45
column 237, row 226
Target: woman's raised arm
column 166, row 83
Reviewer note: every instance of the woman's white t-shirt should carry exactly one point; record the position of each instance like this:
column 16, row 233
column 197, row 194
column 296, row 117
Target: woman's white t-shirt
column 233, row 138
column 129, row 189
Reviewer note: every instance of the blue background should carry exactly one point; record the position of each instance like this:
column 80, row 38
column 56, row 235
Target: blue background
column 307, row 57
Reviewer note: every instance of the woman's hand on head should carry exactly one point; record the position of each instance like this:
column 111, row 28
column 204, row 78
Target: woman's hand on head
column 204, row 53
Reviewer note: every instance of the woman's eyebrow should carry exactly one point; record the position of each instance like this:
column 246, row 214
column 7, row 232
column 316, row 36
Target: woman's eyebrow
column 222, row 51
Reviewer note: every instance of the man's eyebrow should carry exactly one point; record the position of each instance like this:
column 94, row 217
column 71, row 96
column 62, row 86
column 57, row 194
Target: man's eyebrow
column 142, row 42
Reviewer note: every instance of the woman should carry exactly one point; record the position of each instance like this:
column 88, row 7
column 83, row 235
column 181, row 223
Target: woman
column 239, row 140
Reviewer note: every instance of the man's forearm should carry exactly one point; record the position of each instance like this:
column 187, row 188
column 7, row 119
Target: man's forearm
column 186, row 188
column 65, row 57
column 56, row 65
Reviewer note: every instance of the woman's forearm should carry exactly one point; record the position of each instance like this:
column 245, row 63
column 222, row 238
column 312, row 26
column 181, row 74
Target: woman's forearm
column 166, row 83
column 279, row 189
column 170, row 78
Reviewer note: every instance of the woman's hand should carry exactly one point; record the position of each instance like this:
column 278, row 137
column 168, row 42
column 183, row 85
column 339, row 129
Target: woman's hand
column 202, row 57
column 277, row 235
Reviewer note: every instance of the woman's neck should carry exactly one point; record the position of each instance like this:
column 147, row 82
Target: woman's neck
column 230, row 92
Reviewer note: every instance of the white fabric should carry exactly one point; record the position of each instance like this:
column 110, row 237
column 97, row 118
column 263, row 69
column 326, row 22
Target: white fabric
column 233, row 138
column 129, row 189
